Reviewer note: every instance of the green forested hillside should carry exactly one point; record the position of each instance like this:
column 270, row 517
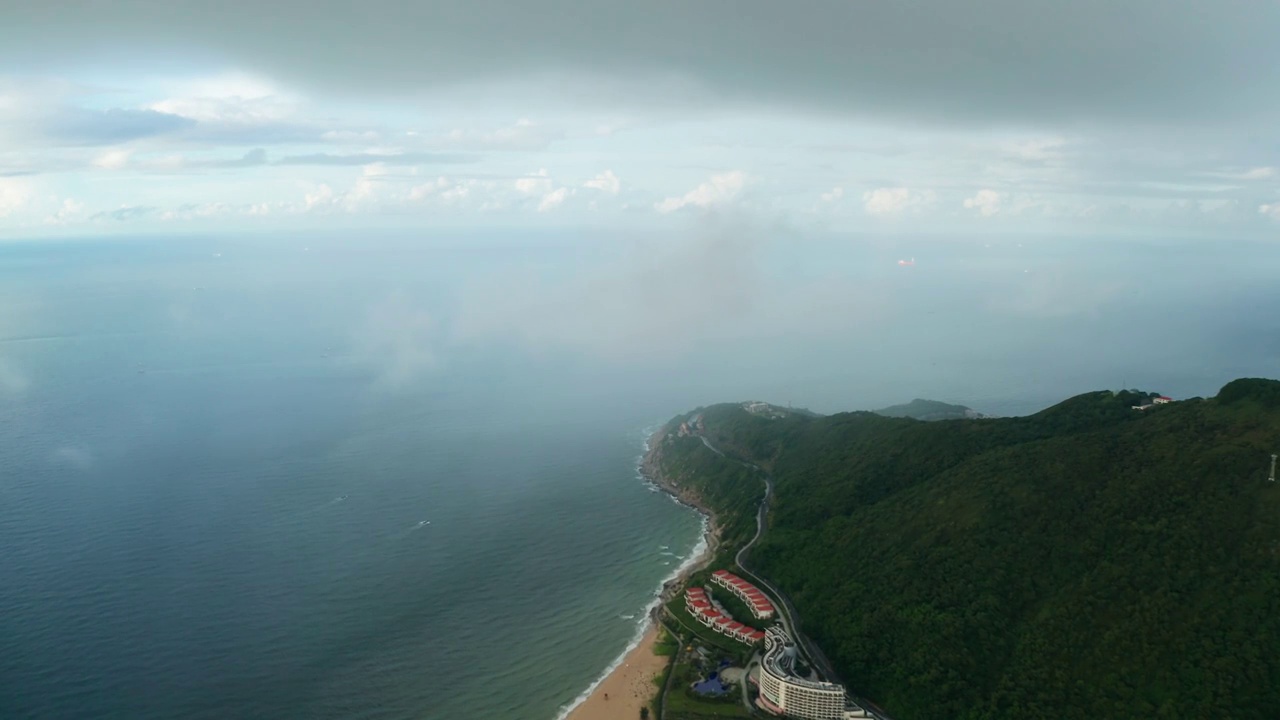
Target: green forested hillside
column 1089, row 561
column 929, row 410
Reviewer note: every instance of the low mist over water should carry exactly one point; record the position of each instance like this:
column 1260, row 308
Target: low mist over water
column 349, row 476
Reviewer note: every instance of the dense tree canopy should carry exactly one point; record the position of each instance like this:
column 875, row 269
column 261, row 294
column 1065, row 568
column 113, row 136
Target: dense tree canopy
column 1087, row 561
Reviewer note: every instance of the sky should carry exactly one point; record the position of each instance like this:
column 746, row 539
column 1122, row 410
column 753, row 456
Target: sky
column 1143, row 117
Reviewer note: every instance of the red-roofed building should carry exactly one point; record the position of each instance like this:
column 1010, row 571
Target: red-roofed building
column 708, row 617
column 761, row 607
column 704, row 611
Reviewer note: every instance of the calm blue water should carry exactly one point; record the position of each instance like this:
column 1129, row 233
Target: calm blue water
column 214, row 503
column 358, row 478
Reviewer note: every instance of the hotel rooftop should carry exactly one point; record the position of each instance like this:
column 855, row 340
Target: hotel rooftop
column 703, row 611
column 750, row 594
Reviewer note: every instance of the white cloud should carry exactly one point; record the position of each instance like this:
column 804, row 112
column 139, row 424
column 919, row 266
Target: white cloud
column 113, row 159
column 321, row 197
column 1256, row 173
column 397, row 342
column 367, row 185
column 832, row 195
column 1271, row 210
column 231, row 98
column 604, row 182
column 447, row 191
column 535, row 184
column 70, row 211
column 457, row 193
column 525, row 134
column 894, row 200
column 718, row 190
column 1037, row 149
column 15, row 194
column 553, row 199
column 351, row 136
column 195, row 211
column 666, row 295
column 986, row 202
column 421, row 192
column 365, row 193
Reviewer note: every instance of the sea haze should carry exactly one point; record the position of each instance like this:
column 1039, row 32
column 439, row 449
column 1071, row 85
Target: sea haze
column 239, row 487
column 338, row 477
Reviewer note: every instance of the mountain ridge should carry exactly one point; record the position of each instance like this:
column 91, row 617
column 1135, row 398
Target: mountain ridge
column 1084, row 561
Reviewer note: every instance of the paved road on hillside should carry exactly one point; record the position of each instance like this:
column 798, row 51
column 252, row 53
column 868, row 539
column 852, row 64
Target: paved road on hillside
column 787, row 613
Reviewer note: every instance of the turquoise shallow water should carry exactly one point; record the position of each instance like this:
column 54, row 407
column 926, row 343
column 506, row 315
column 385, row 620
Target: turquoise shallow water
column 215, row 505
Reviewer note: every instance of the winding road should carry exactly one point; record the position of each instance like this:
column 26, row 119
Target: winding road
column 787, row 613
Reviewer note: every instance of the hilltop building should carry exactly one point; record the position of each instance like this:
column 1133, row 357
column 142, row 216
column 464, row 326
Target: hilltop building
column 692, row 426
column 764, row 409
column 750, row 594
column 786, row 694
column 1160, row 400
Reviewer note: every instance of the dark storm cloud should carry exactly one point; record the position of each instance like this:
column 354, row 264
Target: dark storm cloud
column 1017, row 61
column 369, row 158
column 80, row 126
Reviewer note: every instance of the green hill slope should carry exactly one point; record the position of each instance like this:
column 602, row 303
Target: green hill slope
column 1087, row 561
column 929, row 410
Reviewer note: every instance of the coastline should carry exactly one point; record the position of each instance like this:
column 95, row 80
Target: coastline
column 629, row 687
column 651, row 470
column 628, row 680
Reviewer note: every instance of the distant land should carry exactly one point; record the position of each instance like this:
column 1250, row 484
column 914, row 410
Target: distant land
column 930, row 410
column 917, row 409
column 1115, row 555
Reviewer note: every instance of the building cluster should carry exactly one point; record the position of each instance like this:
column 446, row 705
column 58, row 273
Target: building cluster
column 783, row 692
column 692, row 426
column 764, row 409
column 1162, row 400
column 748, row 593
column 701, row 608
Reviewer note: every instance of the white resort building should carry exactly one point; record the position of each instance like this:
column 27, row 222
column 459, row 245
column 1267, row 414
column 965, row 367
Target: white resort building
column 749, row 594
column 786, row 694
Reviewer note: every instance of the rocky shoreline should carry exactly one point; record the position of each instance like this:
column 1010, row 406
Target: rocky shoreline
column 651, row 470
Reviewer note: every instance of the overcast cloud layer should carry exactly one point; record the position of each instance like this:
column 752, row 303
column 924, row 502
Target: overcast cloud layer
column 993, row 61
column 918, row 115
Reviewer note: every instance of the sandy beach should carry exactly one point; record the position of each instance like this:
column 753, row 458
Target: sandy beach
column 628, row 688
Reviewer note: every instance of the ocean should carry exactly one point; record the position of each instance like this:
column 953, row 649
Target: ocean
column 336, row 477
column 214, row 504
